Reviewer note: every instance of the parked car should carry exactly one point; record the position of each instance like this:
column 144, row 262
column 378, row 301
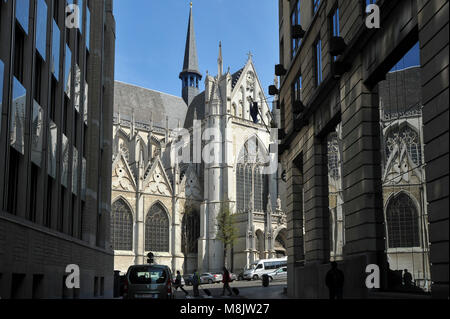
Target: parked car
column 148, row 282
column 233, row 277
column 188, row 279
column 279, row 274
column 209, row 278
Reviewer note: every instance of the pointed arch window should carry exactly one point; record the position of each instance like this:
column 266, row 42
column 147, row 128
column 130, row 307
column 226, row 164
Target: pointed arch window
column 121, row 226
column 402, row 222
column 191, row 232
column 157, row 229
column 250, row 177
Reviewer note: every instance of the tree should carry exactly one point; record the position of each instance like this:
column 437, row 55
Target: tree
column 227, row 232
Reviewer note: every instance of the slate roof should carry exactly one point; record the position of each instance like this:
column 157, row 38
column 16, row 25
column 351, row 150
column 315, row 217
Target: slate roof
column 148, row 103
column 198, row 104
column 235, row 77
column 401, row 91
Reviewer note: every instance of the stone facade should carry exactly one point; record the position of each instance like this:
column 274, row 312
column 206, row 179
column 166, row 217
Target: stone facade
column 345, row 91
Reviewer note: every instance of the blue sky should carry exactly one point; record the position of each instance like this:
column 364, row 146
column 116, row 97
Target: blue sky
column 151, row 37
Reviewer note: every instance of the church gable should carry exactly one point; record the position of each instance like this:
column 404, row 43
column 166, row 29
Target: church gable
column 247, row 89
column 190, row 185
column 122, row 178
column 157, row 182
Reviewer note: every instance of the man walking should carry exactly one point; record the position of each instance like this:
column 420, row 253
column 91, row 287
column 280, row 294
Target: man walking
column 226, row 282
column 178, row 283
column 196, row 283
column 335, row 281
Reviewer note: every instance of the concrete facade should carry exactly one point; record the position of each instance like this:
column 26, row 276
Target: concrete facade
column 347, row 94
column 56, row 136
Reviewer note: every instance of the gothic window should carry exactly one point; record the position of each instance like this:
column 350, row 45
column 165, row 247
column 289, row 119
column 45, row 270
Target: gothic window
column 191, row 232
column 121, row 226
column 402, row 222
column 404, row 137
column 157, row 229
column 333, row 157
column 250, row 178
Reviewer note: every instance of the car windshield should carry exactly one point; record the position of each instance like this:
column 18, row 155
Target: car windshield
column 147, row 275
column 251, row 267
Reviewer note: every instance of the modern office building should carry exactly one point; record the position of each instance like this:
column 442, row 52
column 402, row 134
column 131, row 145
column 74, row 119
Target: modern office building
column 364, row 126
column 56, row 98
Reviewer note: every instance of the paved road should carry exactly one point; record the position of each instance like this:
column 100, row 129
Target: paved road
column 247, row 290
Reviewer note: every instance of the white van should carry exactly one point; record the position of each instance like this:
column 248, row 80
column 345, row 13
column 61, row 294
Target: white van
column 265, row 266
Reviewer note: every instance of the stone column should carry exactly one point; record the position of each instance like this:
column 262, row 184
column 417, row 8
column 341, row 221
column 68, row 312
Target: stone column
column 362, row 186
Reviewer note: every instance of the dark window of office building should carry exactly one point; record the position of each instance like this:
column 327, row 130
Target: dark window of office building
column 316, row 4
column 33, row 192
column 48, row 212
column 61, row 210
column 37, row 290
column 318, row 61
column 297, row 89
column 38, row 79
column 17, row 286
column 19, row 43
column 295, row 20
column 13, row 183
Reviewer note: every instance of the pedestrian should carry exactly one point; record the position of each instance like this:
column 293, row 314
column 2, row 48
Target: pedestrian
column 335, row 281
column 226, row 282
column 178, row 283
column 407, row 279
column 196, row 283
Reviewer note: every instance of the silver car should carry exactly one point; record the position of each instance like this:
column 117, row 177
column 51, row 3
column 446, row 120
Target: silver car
column 148, row 282
column 279, row 274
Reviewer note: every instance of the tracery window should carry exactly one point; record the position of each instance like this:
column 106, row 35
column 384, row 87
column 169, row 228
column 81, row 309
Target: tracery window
column 157, row 229
column 404, row 137
column 121, row 226
column 250, row 177
column 402, row 222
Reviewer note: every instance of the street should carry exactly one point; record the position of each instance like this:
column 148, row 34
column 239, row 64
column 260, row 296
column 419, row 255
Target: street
column 247, row 290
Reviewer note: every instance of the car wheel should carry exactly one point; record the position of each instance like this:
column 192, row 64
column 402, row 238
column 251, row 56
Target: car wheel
column 255, row 277
column 240, row 278
column 210, row 281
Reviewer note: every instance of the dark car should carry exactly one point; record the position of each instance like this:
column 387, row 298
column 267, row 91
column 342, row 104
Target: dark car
column 188, row 279
column 148, row 282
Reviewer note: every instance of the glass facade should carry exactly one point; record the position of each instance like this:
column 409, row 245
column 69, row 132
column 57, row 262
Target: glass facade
column 2, row 70
column 65, row 161
column 17, row 117
column 55, row 50
column 88, row 27
column 296, row 20
column 52, row 148
column 22, row 13
column 68, row 71
column 75, row 171
column 318, row 62
column 37, row 134
column 41, row 28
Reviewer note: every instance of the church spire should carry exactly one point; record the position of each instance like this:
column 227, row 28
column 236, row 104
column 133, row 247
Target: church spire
column 220, row 61
column 190, row 75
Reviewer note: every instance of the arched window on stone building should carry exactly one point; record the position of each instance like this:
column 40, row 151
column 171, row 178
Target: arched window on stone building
column 157, row 229
column 250, row 177
column 121, row 226
column 402, row 222
column 190, row 226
